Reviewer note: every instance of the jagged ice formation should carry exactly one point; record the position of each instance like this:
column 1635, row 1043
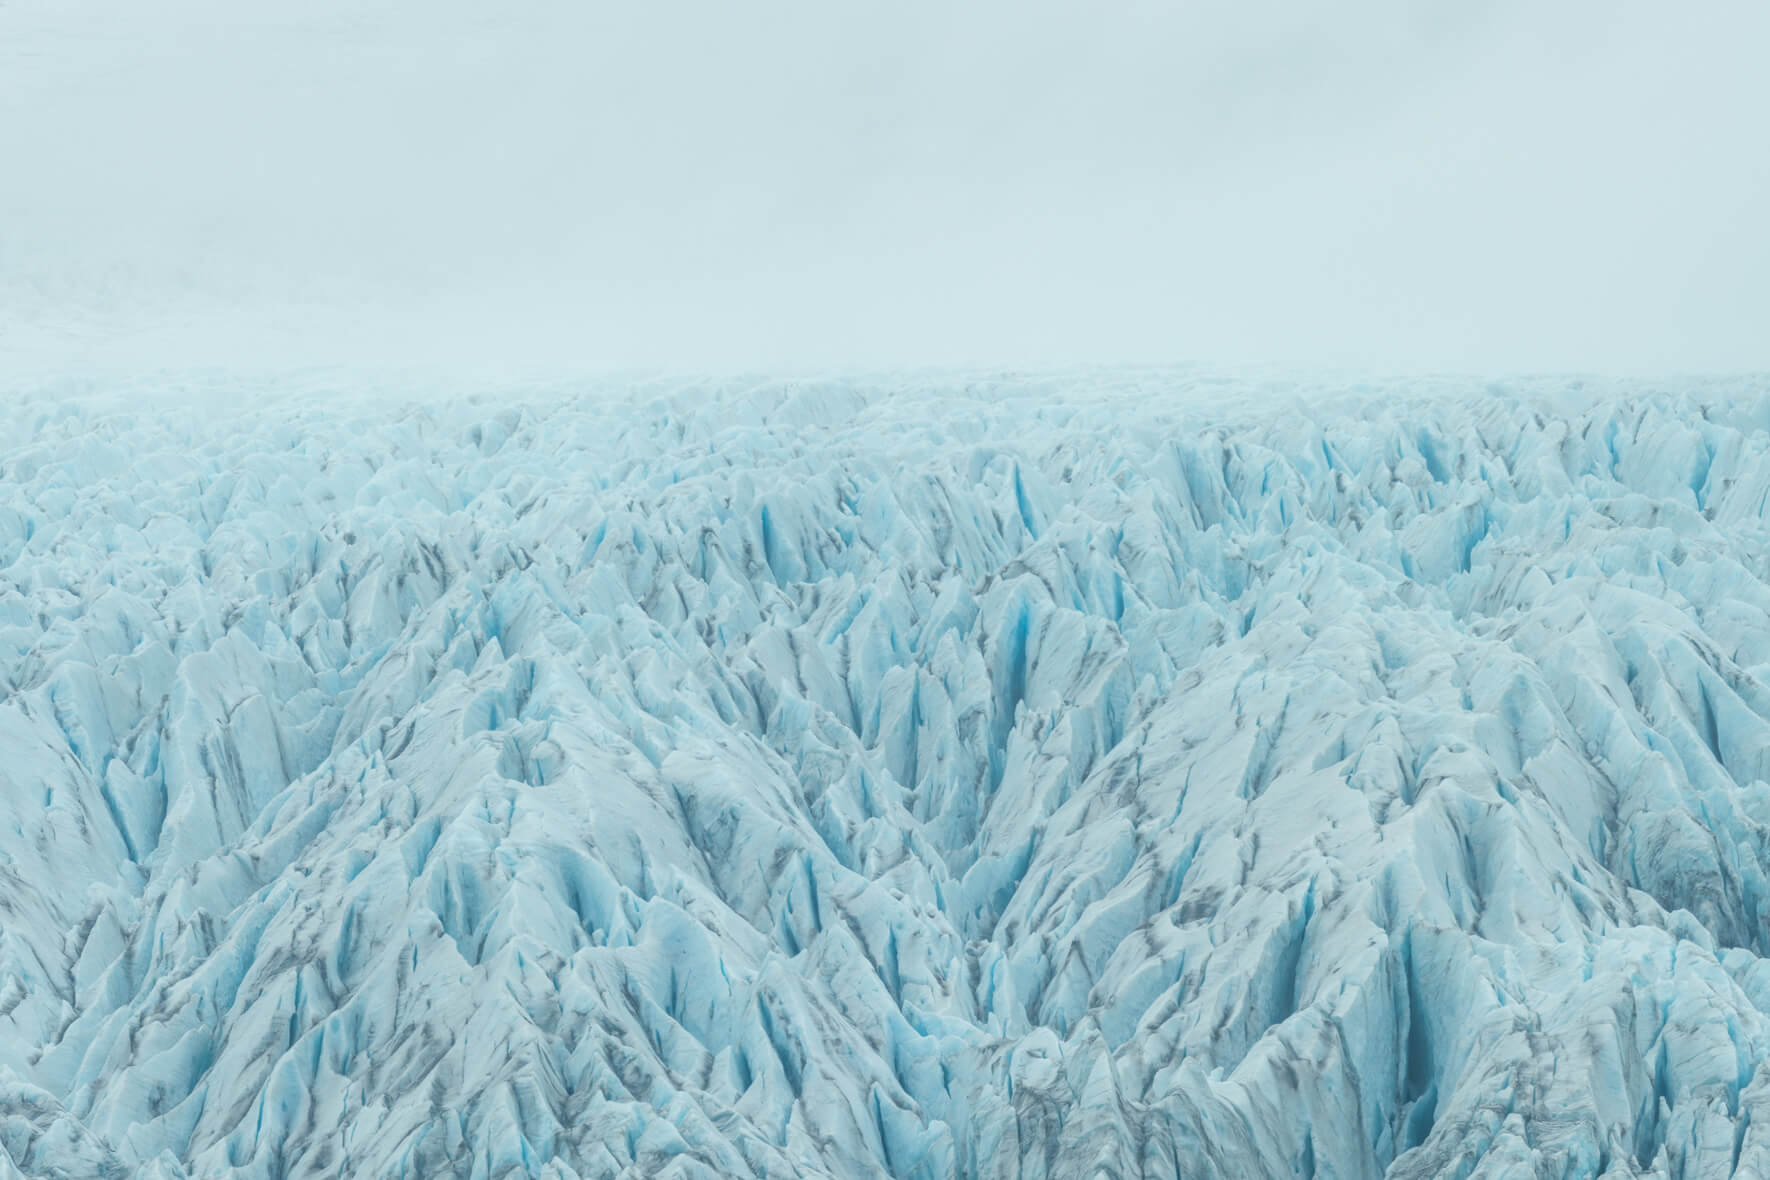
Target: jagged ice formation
column 913, row 779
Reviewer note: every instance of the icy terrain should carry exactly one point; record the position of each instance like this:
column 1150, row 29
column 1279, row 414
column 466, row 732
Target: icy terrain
column 991, row 779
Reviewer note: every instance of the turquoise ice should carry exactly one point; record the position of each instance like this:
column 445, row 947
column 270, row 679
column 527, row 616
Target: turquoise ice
column 1034, row 778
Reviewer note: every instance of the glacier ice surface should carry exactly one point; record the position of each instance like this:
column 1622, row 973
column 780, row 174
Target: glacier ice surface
column 919, row 778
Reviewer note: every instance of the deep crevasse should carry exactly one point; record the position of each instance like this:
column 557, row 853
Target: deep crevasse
column 1003, row 778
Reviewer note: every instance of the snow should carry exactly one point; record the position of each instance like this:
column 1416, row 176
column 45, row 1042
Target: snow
column 916, row 777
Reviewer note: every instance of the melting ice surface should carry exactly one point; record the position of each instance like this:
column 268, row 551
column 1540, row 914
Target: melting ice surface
column 970, row 779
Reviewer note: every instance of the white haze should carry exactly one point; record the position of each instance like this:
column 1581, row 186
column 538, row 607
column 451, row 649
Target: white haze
column 547, row 187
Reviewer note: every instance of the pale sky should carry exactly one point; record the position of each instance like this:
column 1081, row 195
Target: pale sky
column 561, row 186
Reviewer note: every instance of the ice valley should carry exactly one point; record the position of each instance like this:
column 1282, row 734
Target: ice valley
column 996, row 778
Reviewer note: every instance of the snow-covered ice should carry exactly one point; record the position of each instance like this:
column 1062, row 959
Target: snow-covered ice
column 912, row 778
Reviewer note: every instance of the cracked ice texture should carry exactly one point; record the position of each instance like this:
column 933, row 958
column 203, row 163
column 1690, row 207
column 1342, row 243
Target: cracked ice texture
column 1003, row 778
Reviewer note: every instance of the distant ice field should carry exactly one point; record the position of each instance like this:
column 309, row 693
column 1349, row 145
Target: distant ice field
column 1129, row 774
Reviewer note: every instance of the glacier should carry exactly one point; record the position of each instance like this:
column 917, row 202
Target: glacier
column 987, row 776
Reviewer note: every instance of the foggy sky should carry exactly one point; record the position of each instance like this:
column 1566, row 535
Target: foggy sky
column 574, row 185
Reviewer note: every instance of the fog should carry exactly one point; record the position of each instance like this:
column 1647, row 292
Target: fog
column 544, row 187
